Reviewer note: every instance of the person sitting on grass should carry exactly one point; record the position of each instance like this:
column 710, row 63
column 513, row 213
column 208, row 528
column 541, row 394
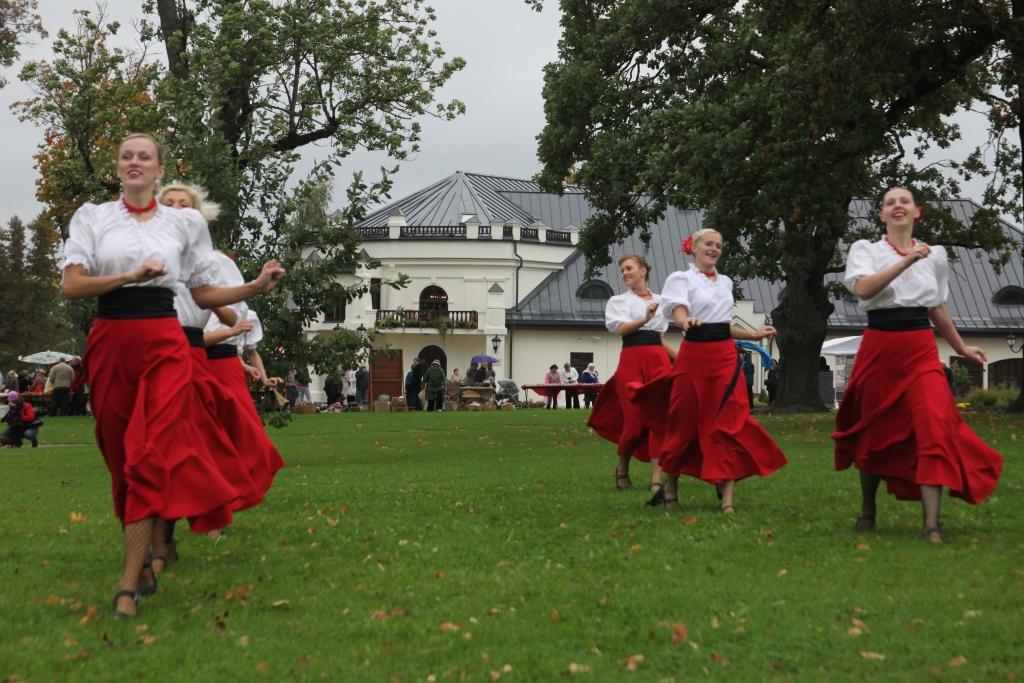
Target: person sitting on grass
column 21, row 422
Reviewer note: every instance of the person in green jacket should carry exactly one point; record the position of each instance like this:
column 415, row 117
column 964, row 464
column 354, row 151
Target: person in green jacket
column 434, row 381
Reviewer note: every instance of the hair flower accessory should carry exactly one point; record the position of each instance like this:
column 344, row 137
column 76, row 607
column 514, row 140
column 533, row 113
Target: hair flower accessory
column 688, row 246
column 920, row 213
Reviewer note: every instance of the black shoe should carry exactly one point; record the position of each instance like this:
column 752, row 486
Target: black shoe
column 118, row 614
column 865, row 523
column 149, row 590
column 718, row 491
column 658, row 498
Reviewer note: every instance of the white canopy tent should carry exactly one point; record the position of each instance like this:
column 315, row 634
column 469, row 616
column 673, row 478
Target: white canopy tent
column 842, row 346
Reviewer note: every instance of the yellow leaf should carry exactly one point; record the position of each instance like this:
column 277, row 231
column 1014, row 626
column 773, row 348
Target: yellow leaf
column 575, row 668
column 90, row 614
column 872, row 656
column 957, row 661
column 77, row 518
column 449, row 627
column 714, row 622
column 52, row 599
column 239, row 593
column 782, row 572
column 555, row 616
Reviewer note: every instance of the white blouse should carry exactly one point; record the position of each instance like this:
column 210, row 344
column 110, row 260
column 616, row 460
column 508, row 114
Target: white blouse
column 226, row 274
column 249, row 340
column 108, row 241
column 628, row 307
column 925, row 283
column 189, row 312
column 707, row 299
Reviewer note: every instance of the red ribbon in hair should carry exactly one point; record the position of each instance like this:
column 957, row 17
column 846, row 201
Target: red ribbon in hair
column 688, row 246
column 920, row 213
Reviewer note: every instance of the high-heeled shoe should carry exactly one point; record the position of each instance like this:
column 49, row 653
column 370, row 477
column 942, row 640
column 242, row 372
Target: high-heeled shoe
column 118, row 614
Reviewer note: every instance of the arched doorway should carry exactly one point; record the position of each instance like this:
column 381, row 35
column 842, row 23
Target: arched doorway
column 1005, row 373
column 433, row 303
column 428, row 354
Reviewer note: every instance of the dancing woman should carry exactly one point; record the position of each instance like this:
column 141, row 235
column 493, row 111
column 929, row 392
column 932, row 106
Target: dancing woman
column 131, row 253
column 633, row 315
column 897, row 420
column 707, row 429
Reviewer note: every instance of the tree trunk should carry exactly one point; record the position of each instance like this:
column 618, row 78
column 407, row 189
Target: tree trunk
column 174, row 27
column 801, row 319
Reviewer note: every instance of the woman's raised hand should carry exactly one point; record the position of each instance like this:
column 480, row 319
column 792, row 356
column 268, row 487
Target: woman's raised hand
column 270, row 275
column 651, row 310
column 149, row 269
column 918, row 252
column 764, row 332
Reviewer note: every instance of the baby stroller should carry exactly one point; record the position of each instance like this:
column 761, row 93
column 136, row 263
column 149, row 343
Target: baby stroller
column 508, row 392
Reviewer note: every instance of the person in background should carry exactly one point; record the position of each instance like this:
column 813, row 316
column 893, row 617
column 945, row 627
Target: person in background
column 552, row 377
column 433, row 380
column 291, row 387
column 456, row 377
column 589, row 376
column 413, row 385
column 11, row 381
column 571, row 376
column 61, row 377
column 39, row 382
column 488, row 373
column 15, row 421
column 78, row 398
column 350, row 386
column 362, row 384
column 771, row 382
column 748, row 374
column 333, row 388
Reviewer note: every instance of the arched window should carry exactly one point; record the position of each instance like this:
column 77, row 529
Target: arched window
column 595, row 290
column 1009, row 296
column 433, row 301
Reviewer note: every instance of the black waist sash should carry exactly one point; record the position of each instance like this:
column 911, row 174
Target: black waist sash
column 899, row 319
column 130, row 303
column 641, row 338
column 194, row 336
column 221, row 351
column 709, row 332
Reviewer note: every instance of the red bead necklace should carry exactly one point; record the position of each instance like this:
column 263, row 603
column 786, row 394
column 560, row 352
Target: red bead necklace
column 139, row 209
column 899, row 251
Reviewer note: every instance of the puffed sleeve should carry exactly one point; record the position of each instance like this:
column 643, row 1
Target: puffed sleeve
column 676, row 292
column 198, row 264
column 858, row 264
column 255, row 335
column 941, row 273
column 616, row 312
column 227, row 274
column 80, row 247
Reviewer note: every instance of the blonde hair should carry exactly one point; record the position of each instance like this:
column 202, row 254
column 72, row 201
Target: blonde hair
column 700, row 234
column 151, row 138
column 640, row 261
column 207, row 209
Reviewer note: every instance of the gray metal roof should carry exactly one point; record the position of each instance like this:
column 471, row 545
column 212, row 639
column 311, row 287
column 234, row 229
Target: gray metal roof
column 973, row 280
column 450, row 200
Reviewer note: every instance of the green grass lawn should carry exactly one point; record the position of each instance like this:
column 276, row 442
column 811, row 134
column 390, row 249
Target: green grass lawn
column 493, row 546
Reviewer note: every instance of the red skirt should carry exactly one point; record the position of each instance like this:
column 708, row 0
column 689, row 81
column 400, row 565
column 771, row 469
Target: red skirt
column 140, row 376
column 699, row 439
column 208, row 415
column 614, row 416
column 243, row 425
column 898, row 420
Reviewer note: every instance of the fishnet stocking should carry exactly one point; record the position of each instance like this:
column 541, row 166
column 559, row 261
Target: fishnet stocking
column 163, row 531
column 137, row 536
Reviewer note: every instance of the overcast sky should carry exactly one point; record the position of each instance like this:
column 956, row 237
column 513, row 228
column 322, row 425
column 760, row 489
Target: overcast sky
column 505, row 44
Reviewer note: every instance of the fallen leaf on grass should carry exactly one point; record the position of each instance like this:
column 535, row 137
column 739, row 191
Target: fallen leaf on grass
column 380, row 615
column 52, row 600
column 633, row 662
column 77, row 518
column 913, row 624
column 244, row 641
column 331, row 522
column 719, row 659
column 141, row 628
column 872, row 656
column 858, row 628
column 782, row 572
column 677, row 629
column 575, row 668
column 555, row 615
column 714, row 622
column 449, row 627
column 77, row 656
column 688, row 520
column 147, row 639
column 972, row 613
column 90, row 614
column 863, row 546
column 280, row 603
column 239, row 593
column 957, row 661
column 768, row 535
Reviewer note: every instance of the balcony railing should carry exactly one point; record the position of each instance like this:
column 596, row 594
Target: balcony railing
column 459, row 320
column 559, row 237
column 378, row 233
column 485, row 232
column 528, row 234
column 433, row 231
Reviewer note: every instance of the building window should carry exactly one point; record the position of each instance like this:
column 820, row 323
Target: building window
column 1009, row 296
column 334, row 312
column 433, row 300
column 375, row 293
column 594, row 290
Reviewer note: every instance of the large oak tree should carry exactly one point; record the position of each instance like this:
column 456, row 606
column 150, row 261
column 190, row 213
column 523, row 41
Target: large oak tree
column 773, row 118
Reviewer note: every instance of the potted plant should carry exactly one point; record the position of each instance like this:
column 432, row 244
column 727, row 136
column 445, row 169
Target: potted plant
column 382, row 404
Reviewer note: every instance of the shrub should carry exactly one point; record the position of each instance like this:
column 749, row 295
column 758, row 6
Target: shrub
column 988, row 399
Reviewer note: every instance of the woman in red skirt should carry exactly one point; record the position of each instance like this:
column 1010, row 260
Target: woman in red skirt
column 131, row 253
column 897, row 420
column 701, row 406
column 632, row 315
